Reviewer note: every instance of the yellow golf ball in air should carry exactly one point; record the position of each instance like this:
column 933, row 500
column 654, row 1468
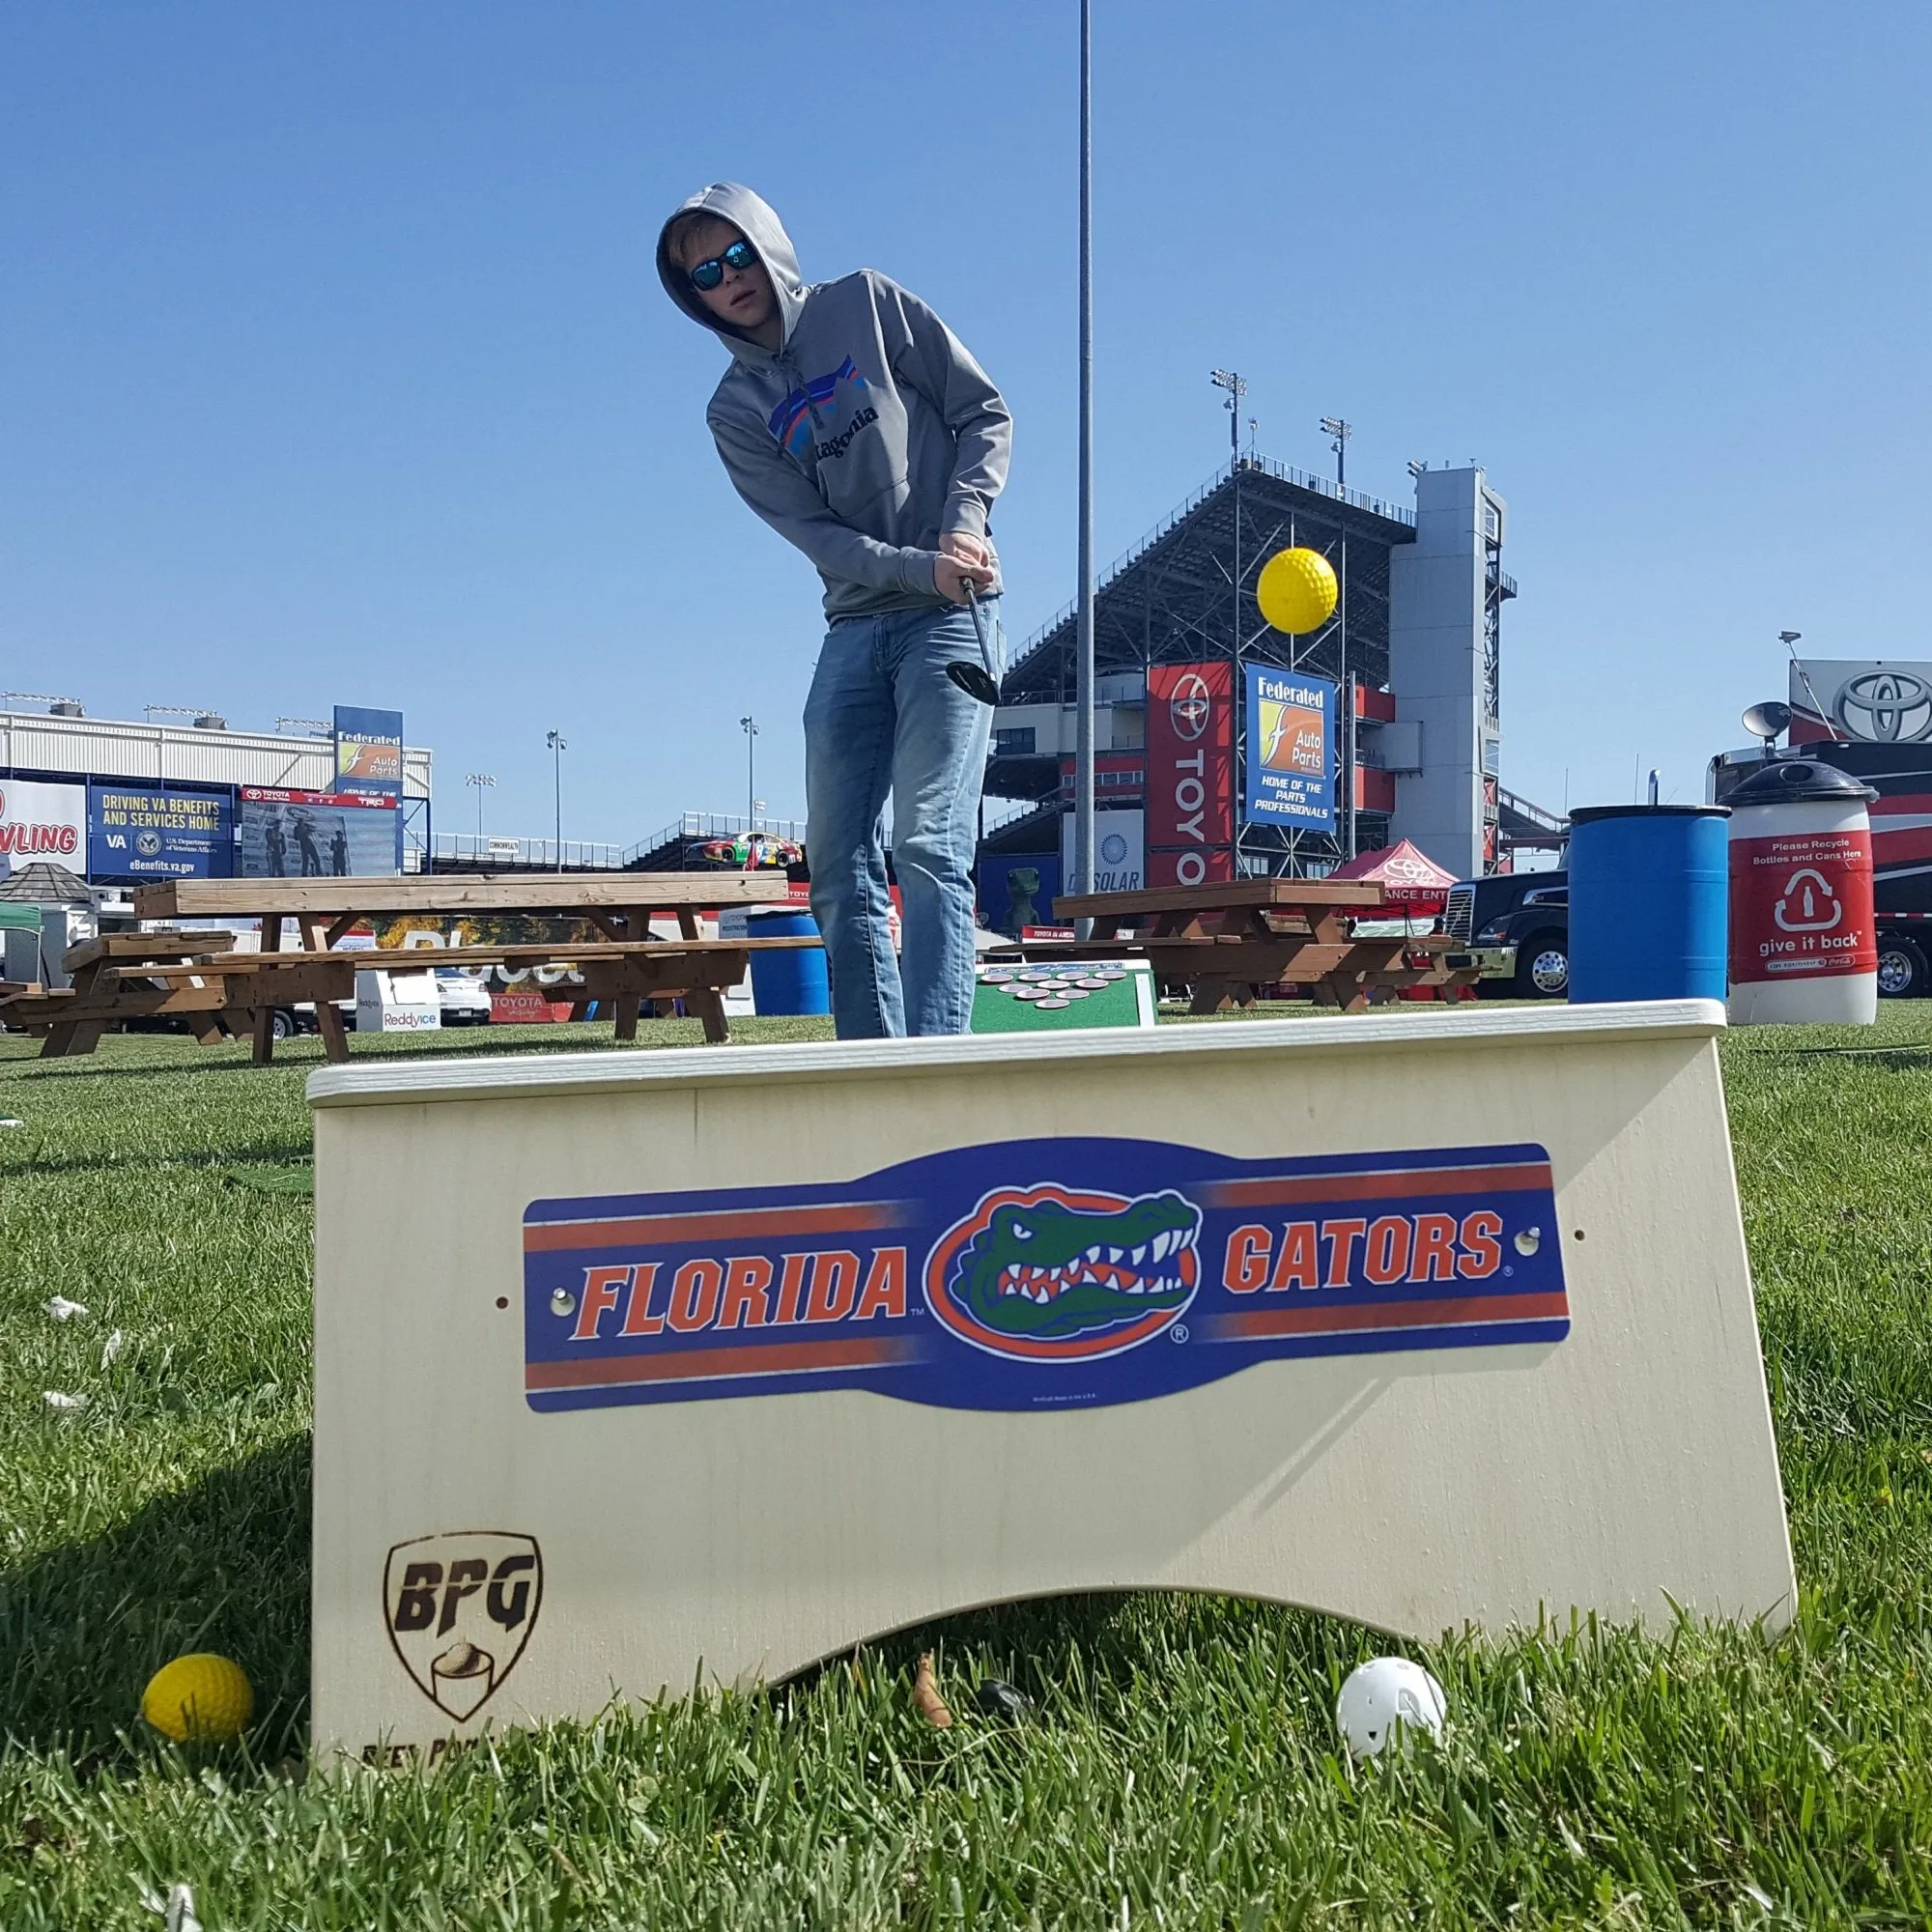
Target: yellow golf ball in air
column 202, row 1696
column 1296, row 590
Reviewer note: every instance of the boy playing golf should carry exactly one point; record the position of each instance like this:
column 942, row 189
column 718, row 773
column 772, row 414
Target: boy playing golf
column 857, row 425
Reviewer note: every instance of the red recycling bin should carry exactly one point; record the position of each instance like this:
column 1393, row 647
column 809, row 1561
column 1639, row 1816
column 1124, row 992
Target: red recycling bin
column 1803, row 947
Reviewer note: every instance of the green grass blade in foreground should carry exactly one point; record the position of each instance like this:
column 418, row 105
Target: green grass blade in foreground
column 1182, row 1767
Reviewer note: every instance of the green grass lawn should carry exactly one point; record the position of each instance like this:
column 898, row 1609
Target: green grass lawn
column 1182, row 1769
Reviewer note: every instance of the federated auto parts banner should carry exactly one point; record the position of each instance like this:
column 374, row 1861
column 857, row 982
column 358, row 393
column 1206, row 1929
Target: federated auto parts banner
column 169, row 832
column 318, row 834
column 1050, row 1273
column 368, row 751
column 41, row 822
column 1290, row 750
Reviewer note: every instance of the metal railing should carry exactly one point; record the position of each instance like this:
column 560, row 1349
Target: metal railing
column 1285, row 472
column 577, row 855
column 583, row 854
column 1322, row 487
column 1549, row 822
column 705, row 825
column 1025, row 808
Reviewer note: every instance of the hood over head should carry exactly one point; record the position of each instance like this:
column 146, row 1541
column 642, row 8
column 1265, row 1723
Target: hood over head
column 756, row 220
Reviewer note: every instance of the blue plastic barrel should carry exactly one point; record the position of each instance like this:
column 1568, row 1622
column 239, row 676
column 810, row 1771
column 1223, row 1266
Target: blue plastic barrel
column 789, row 980
column 1649, row 902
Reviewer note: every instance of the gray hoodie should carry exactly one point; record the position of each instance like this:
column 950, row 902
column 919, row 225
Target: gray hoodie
column 869, row 434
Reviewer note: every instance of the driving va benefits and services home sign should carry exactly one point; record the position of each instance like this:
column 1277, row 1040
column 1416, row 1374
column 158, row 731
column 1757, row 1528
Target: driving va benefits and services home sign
column 159, row 833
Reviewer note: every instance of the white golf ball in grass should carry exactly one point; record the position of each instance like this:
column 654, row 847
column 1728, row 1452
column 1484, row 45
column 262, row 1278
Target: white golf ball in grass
column 1382, row 1694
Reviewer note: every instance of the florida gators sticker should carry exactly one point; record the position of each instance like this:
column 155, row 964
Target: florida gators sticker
column 1037, row 1274
column 1047, row 1274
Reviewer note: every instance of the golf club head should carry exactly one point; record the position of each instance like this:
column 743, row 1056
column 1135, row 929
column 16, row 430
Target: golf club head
column 977, row 680
column 974, row 680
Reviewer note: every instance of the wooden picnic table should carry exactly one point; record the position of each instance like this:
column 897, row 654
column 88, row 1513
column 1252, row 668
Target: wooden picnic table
column 1222, row 941
column 204, row 991
column 88, row 966
column 197, row 976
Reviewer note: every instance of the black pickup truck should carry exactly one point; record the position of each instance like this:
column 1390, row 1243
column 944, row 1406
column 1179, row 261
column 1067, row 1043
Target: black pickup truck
column 1517, row 928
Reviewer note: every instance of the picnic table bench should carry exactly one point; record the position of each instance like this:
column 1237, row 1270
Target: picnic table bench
column 199, row 975
column 90, row 964
column 1222, row 941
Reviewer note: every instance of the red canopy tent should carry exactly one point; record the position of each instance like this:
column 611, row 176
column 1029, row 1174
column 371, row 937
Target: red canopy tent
column 1409, row 878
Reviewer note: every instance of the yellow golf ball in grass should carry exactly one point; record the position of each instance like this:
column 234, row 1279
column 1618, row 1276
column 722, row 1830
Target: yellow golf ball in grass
column 201, row 1696
column 1296, row 590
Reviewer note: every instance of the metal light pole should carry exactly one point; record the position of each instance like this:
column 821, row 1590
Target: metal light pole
column 1789, row 640
column 1236, row 387
column 1341, row 431
column 1083, row 762
column 558, row 745
column 482, row 780
column 749, row 726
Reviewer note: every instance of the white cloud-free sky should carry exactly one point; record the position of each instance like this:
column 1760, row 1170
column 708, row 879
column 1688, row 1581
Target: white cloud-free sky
column 333, row 367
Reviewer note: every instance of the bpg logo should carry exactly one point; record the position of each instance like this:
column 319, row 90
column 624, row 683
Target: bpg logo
column 1054, row 1274
column 460, row 1607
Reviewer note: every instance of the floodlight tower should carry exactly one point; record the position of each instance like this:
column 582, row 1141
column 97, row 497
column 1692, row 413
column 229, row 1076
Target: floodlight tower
column 1083, row 760
column 483, row 781
column 1236, row 387
column 1341, row 431
column 558, row 745
column 749, row 726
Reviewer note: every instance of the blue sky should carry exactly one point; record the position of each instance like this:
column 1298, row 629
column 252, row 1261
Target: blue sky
column 333, row 367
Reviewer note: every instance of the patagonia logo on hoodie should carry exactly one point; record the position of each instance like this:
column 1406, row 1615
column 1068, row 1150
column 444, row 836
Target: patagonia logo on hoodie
column 794, row 421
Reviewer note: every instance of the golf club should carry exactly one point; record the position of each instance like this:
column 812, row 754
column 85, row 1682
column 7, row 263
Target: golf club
column 977, row 680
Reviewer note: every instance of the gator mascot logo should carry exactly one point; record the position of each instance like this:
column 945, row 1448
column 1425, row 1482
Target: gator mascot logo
column 1055, row 1274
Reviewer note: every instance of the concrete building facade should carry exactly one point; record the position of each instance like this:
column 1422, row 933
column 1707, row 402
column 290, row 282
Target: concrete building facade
column 1445, row 593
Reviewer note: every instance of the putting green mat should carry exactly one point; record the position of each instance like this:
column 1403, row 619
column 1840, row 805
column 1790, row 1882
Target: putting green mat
column 1087, row 993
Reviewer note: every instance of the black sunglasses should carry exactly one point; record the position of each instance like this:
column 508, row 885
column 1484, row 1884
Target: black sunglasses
column 706, row 275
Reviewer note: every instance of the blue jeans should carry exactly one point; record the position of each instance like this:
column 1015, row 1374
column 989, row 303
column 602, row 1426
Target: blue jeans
column 883, row 717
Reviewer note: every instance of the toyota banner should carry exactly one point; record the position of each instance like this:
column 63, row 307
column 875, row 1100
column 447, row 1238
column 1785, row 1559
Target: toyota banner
column 1867, row 700
column 1190, row 788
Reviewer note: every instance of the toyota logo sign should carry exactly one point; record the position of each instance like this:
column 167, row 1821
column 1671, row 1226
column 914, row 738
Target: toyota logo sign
column 1189, row 706
column 1885, row 707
